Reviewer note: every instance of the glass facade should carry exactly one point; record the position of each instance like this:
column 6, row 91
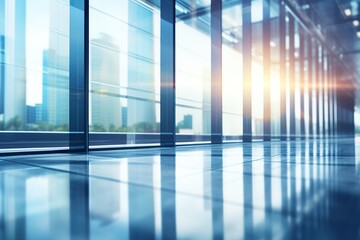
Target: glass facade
column 275, row 86
column 193, row 72
column 232, row 81
column 92, row 73
column 124, row 74
column 34, row 72
column 257, row 73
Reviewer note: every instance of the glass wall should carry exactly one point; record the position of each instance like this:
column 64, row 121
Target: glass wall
column 46, row 65
column 275, row 90
column 306, row 84
column 314, row 87
column 34, row 73
column 124, row 72
column 320, row 90
column 232, row 86
column 193, row 72
column 287, row 64
column 325, row 95
column 297, row 79
column 257, row 68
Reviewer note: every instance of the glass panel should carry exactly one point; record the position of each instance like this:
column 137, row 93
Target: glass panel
column 124, row 72
column 320, row 90
column 232, row 73
column 306, row 84
column 34, row 73
column 325, row 94
column 275, row 68
column 193, row 77
column 287, row 19
column 297, row 83
column 257, row 68
column 314, row 85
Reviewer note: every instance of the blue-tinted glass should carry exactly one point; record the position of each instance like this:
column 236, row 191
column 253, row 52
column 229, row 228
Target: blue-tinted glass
column 124, row 72
column 34, row 69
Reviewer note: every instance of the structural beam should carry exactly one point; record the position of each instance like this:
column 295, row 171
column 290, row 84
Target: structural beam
column 216, row 71
column 266, row 69
column 79, row 76
column 167, row 68
column 247, row 46
column 282, row 27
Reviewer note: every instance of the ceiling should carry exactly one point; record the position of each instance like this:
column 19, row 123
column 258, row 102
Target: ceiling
column 339, row 23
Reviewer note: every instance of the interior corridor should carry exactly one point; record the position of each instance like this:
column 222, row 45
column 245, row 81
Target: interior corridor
column 262, row 190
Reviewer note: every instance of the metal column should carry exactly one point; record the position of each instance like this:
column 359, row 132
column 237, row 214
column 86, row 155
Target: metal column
column 216, row 71
column 167, row 66
column 247, row 111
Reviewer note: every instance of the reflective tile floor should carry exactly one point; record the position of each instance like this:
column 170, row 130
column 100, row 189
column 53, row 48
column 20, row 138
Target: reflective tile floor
column 277, row 190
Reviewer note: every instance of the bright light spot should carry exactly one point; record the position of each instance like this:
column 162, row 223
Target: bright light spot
column 296, row 54
column 356, row 23
column 358, row 33
column 272, row 44
column 347, row 12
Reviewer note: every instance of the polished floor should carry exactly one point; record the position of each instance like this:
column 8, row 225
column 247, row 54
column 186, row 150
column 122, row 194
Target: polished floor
column 280, row 190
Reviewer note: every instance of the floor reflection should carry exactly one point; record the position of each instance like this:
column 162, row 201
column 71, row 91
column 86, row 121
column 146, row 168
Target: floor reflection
column 280, row 190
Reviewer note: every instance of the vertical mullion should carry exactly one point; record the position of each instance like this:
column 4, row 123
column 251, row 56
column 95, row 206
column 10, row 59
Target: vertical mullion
column 167, row 66
column 216, row 71
column 335, row 110
column 282, row 23
column 323, row 79
column 79, row 76
column 292, row 75
column 329, row 90
column 247, row 35
column 266, row 69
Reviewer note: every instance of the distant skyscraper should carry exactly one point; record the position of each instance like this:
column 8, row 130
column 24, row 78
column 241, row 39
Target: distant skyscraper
column 31, row 114
column 38, row 113
column 141, row 77
column 105, row 83
column 55, row 107
column 55, row 88
column 14, row 43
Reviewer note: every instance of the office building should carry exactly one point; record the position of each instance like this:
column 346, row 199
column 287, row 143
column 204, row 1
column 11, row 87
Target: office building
column 157, row 119
column 30, row 115
column 55, row 82
column 105, row 84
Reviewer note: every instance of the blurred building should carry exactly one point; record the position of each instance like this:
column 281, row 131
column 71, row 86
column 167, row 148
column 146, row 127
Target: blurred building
column 105, row 83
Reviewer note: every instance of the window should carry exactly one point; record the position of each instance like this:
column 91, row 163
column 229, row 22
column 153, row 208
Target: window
column 34, row 73
column 124, row 73
column 193, row 73
column 232, row 73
